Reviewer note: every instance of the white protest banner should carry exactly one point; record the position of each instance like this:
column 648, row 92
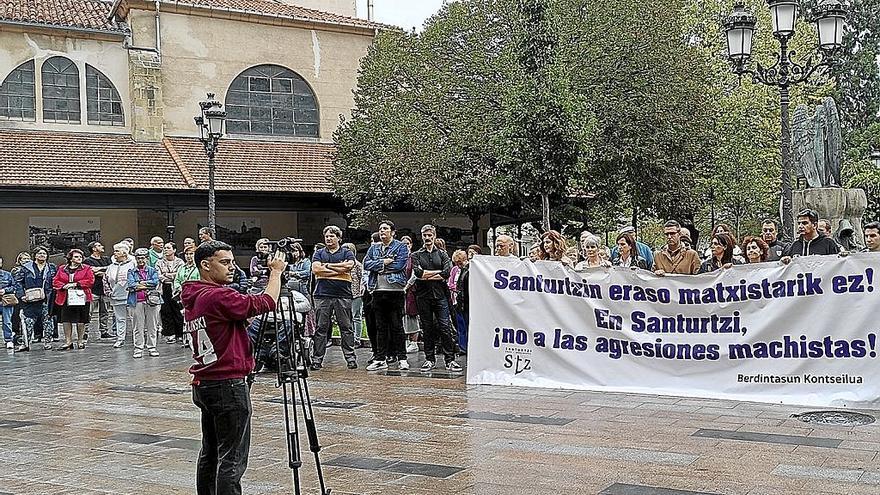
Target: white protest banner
column 805, row 333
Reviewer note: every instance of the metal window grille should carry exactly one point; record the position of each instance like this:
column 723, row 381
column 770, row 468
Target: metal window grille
column 18, row 94
column 103, row 104
column 60, row 84
column 271, row 100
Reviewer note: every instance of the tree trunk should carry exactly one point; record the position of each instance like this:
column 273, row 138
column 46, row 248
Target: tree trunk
column 475, row 227
column 545, row 212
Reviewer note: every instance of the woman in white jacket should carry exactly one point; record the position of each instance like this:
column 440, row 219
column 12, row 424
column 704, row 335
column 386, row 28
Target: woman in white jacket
column 116, row 284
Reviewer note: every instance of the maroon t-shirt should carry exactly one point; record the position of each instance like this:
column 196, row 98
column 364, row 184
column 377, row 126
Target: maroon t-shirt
column 216, row 320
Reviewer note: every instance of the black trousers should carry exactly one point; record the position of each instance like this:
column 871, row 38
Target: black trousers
column 436, row 328
column 388, row 311
column 226, row 435
column 370, row 318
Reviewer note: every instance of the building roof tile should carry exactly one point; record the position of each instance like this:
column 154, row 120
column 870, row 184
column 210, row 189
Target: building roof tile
column 80, row 14
column 257, row 165
column 280, row 9
column 84, row 160
column 52, row 160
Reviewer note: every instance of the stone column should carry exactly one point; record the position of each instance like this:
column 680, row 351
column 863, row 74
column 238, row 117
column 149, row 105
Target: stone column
column 147, row 109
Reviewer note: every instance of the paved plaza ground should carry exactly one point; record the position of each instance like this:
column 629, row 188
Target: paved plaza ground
column 98, row 421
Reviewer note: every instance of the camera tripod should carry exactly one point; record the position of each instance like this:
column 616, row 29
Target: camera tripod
column 292, row 361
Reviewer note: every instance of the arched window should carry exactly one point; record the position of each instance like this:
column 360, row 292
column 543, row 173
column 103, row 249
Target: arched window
column 271, row 100
column 103, row 105
column 60, row 91
column 18, row 94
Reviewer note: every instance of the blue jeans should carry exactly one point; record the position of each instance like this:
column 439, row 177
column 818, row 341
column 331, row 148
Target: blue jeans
column 7, row 322
column 461, row 324
column 226, row 435
column 269, row 347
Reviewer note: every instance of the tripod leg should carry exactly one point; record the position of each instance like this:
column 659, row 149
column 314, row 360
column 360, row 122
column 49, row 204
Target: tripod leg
column 306, row 404
column 258, row 350
column 286, row 373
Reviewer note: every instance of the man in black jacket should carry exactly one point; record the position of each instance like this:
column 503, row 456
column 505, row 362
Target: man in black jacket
column 810, row 241
column 770, row 234
column 431, row 267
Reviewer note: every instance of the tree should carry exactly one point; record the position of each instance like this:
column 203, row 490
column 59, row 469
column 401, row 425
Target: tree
column 547, row 126
column 427, row 107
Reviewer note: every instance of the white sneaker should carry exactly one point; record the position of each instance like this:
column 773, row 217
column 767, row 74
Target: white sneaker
column 403, row 365
column 118, row 344
column 10, row 345
column 412, row 347
column 137, row 354
column 377, row 365
column 454, row 367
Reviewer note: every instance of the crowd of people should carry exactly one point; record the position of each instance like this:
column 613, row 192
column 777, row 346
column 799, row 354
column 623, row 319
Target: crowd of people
column 401, row 294
column 678, row 255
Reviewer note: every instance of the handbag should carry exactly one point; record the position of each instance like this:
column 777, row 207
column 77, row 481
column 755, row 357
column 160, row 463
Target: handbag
column 76, row 297
column 154, row 298
column 9, row 300
column 35, row 294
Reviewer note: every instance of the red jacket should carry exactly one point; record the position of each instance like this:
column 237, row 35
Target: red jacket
column 216, row 319
column 84, row 278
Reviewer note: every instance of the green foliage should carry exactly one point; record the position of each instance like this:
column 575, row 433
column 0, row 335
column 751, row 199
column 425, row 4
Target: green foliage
column 629, row 104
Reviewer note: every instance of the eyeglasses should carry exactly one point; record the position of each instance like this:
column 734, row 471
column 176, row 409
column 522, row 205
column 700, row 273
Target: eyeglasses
column 670, row 234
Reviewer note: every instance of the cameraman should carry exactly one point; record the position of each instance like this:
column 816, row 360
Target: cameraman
column 216, row 319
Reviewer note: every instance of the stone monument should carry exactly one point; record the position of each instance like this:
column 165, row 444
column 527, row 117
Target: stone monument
column 817, row 153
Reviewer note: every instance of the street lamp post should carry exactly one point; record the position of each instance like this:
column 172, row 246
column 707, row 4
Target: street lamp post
column 210, row 124
column 785, row 72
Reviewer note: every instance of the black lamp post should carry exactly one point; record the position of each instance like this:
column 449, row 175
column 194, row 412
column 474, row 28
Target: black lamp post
column 740, row 29
column 210, row 124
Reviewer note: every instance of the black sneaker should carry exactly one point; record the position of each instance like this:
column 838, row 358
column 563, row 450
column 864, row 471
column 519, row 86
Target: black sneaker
column 352, row 365
column 105, row 335
column 315, row 366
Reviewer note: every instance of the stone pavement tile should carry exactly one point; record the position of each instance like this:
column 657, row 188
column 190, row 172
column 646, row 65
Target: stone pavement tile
column 730, row 412
column 853, row 455
column 678, row 408
column 856, row 444
column 849, row 463
column 762, row 437
column 613, row 453
column 628, row 489
column 515, row 418
column 818, row 473
column 777, row 427
column 748, row 420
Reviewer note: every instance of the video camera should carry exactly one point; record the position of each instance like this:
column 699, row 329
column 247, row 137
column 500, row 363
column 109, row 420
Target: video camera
column 285, row 245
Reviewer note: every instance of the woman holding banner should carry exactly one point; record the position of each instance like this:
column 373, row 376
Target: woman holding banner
column 627, row 253
column 757, row 251
column 552, row 248
column 721, row 248
column 592, row 254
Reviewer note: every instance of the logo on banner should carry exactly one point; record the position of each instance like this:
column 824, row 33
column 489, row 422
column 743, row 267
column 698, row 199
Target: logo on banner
column 517, row 357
